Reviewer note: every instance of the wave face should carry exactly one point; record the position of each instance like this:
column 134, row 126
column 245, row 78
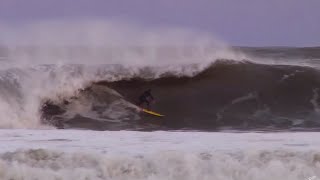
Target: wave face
column 89, row 75
column 230, row 94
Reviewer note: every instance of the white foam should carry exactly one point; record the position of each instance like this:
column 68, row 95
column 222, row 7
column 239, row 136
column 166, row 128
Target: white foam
column 71, row 154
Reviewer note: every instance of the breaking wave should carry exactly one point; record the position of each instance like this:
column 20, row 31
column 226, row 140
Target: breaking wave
column 89, row 75
column 225, row 94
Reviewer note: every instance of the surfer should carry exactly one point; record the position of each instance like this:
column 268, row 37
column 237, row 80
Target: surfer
column 146, row 98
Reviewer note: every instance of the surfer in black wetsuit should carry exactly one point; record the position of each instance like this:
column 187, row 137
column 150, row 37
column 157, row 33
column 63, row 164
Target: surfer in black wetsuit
column 146, row 97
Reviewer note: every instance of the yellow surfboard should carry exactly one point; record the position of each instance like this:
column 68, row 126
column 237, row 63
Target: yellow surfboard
column 152, row 113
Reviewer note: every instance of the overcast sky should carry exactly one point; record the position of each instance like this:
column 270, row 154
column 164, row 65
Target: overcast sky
column 239, row 22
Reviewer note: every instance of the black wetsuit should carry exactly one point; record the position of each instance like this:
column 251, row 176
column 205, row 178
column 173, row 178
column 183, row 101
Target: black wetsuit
column 146, row 97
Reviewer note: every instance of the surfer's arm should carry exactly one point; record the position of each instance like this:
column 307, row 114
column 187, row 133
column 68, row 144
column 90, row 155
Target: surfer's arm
column 151, row 97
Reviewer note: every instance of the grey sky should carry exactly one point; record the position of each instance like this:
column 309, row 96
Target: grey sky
column 239, row 22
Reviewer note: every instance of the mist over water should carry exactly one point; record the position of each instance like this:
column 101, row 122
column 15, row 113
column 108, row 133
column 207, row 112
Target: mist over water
column 107, row 42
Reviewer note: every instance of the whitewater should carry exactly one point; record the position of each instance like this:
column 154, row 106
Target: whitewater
column 67, row 105
column 71, row 154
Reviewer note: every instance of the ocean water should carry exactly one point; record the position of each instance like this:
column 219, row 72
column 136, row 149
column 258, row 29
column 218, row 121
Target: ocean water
column 68, row 92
